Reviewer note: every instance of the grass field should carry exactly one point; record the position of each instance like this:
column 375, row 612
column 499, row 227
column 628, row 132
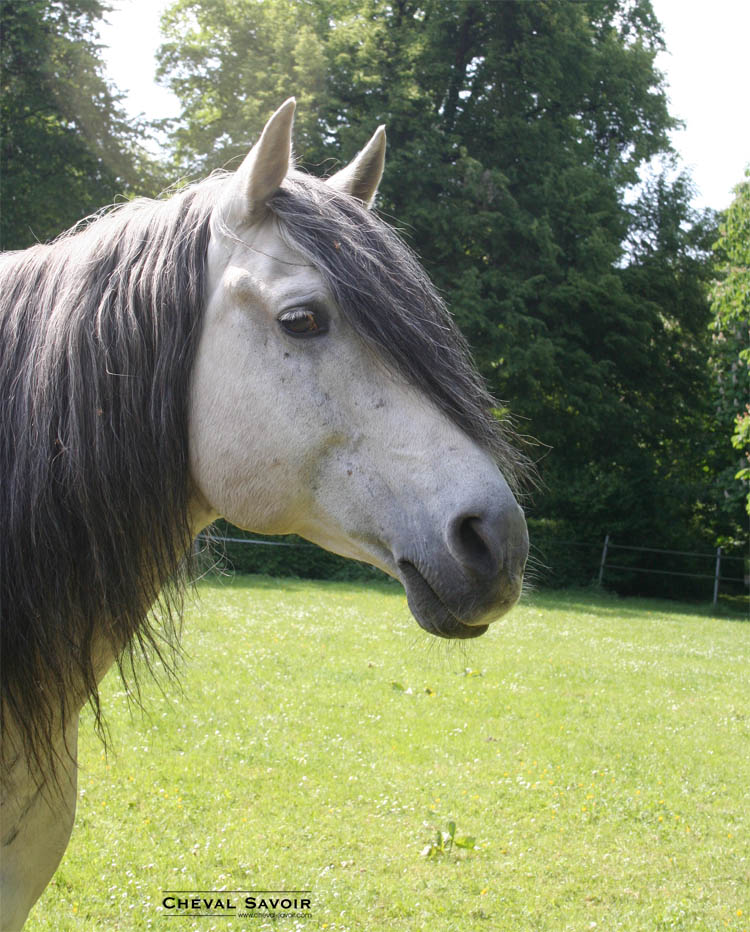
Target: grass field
column 597, row 750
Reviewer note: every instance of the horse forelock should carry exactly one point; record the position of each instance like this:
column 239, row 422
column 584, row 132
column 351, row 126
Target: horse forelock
column 384, row 292
column 97, row 335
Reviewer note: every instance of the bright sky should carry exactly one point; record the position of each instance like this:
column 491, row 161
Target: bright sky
column 707, row 68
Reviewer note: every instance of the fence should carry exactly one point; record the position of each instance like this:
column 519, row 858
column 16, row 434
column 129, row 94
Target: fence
column 716, row 556
column 215, row 538
column 287, row 556
column 559, row 563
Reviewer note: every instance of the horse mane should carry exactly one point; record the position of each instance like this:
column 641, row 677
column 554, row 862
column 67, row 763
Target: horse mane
column 98, row 331
column 98, row 334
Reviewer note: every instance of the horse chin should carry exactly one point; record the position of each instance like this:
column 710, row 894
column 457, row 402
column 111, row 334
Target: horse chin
column 431, row 611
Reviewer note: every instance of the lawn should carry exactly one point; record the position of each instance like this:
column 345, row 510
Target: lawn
column 596, row 750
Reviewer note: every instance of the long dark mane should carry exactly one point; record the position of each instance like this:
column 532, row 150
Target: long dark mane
column 98, row 333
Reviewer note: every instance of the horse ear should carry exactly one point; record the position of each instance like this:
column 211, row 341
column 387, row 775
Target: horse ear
column 362, row 175
column 261, row 173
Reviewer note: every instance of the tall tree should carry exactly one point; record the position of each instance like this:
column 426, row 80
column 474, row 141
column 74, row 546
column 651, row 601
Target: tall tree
column 67, row 148
column 731, row 344
column 516, row 133
column 231, row 63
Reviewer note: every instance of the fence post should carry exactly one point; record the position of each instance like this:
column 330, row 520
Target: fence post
column 604, row 559
column 717, row 575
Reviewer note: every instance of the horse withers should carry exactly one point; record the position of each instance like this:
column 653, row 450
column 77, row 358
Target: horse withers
column 259, row 346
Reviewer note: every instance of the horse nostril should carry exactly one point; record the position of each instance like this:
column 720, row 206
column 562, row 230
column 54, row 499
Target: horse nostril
column 490, row 544
column 473, row 546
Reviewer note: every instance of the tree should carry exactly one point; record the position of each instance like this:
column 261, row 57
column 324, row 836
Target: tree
column 232, row 63
column 730, row 299
column 516, row 133
column 67, row 148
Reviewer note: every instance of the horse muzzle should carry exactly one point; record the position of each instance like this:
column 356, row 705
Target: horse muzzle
column 472, row 576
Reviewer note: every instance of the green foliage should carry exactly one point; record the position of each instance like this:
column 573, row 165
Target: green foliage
column 444, row 841
column 67, row 148
column 731, row 332
column 231, row 63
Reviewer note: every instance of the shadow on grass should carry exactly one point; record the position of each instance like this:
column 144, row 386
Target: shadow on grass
column 595, row 601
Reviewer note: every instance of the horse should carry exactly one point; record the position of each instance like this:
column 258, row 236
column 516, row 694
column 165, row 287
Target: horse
column 258, row 346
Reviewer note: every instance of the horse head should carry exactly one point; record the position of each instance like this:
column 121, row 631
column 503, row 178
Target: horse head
column 332, row 396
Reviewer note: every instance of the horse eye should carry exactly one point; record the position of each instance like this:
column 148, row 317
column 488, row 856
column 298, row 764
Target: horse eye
column 302, row 322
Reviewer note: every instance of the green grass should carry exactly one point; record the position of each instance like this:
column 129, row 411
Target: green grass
column 597, row 749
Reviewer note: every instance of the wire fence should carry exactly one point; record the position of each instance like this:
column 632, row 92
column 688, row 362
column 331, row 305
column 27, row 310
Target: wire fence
column 215, row 538
column 718, row 557
column 558, row 561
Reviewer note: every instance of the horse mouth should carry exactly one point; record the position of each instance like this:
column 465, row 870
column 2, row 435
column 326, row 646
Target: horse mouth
column 430, row 610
